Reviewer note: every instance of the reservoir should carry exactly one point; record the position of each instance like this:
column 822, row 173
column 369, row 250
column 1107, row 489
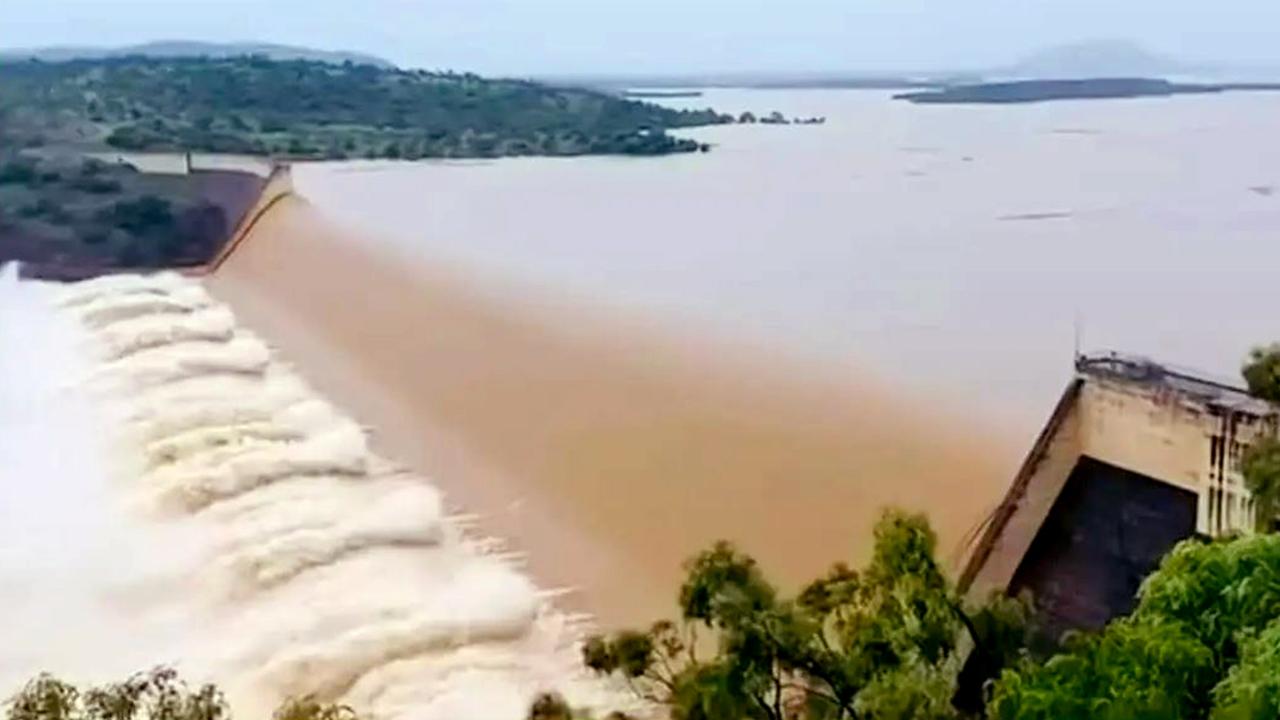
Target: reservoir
column 616, row 361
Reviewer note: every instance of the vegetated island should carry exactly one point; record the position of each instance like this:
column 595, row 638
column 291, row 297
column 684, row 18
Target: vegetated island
column 303, row 109
column 1028, row 91
column 659, row 94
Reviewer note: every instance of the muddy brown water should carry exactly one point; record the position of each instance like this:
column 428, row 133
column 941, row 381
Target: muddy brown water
column 606, row 450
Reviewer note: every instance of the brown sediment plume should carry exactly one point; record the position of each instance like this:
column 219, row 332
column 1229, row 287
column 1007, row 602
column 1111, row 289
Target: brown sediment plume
column 607, row 452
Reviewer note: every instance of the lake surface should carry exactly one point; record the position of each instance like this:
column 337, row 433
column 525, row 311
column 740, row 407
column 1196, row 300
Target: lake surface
column 613, row 362
column 952, row 250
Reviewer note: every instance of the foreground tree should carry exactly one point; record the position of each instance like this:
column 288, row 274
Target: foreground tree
column 1130, row 671
column 1262, row 372
column 1200, row 642
column 156, row 695
column 884, row 642
column 1251, row 690
column 1261, row 469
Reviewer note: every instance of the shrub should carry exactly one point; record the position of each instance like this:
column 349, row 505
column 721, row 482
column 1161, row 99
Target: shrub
column 141, row 216
column 96, row 185
column 18, row 172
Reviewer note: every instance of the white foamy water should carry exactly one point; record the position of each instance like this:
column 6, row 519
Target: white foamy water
column 170, row 492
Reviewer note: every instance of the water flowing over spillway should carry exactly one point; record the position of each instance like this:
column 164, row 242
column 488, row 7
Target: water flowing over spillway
column 254, row 540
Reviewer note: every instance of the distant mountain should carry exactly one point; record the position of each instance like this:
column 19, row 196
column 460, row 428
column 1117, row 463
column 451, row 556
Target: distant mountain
column 1095, row 59
column 187, row 49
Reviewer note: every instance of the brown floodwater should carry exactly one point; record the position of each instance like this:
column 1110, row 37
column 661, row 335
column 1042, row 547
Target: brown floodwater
column 616, row 361
column 606, row 448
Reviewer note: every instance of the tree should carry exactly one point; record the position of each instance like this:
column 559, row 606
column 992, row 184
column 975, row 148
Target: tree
column 1262, row 372
column 549, row 706
column 1130, row 671
column 1194, row 628
column 308, row 708
column 881, row 642
column 1261, row 468
column 1217, row 590
column 45, row 698
column 156, row 695
column 1251, row 690
column 18, row 172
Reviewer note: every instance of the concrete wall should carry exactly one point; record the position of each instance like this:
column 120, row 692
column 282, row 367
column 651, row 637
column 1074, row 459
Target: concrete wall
column 1147, row 429
column 183, row 163
column 1170, row 438
column 1029, row 505
column 1108, row 530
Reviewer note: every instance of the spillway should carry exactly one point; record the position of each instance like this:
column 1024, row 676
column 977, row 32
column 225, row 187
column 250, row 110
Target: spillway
column 175, row 491
column 251, row 536
column 609, row 447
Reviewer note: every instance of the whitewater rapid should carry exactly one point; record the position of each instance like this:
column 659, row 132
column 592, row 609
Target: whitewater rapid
column 194, row 502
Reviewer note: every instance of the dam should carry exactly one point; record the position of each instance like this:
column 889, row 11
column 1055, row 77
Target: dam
column 334, row 476
column 1135, row 457
column 260, row 543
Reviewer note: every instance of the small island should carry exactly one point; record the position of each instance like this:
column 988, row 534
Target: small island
column 661, row 94
column 777, row 118
column 1028, row 91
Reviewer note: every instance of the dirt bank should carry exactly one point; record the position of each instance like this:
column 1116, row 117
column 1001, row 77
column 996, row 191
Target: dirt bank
column 607, row 453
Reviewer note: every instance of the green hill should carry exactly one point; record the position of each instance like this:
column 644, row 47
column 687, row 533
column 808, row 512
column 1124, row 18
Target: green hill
column 309, row 109
column 193, row 49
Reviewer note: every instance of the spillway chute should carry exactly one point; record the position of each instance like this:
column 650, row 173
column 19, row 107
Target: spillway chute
column 296, row 560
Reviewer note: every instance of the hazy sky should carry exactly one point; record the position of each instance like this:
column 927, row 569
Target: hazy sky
column 584, row 36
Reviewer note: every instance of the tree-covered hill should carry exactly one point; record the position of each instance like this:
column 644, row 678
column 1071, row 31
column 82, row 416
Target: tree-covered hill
column 306, row 109
column 193, row 49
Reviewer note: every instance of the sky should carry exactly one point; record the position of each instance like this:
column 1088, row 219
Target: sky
column 531, row 37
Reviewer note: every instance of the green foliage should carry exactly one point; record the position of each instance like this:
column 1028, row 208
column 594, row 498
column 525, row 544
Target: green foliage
column 146, row 214
column 1262, row 372
column 45, row 698
column 308, row 708
column 1216, row 590
column 881, row 642
column 1131, row 671
column 549, row 706
column 1251, row 691
column 18, row 172
column 1208, row 612
column 1261, row 469
column 45, row 208
column 250, row 105
column 915, row 691
column 157, row 695
column 96, row 185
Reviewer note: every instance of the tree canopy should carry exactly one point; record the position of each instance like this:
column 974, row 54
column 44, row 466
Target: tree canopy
column 1198, row 645
column 1262, row 372
column 885, row 641
column 159, row 694
column 1261, row 469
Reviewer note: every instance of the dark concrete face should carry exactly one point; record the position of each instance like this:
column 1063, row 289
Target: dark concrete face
column 1105, row 533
